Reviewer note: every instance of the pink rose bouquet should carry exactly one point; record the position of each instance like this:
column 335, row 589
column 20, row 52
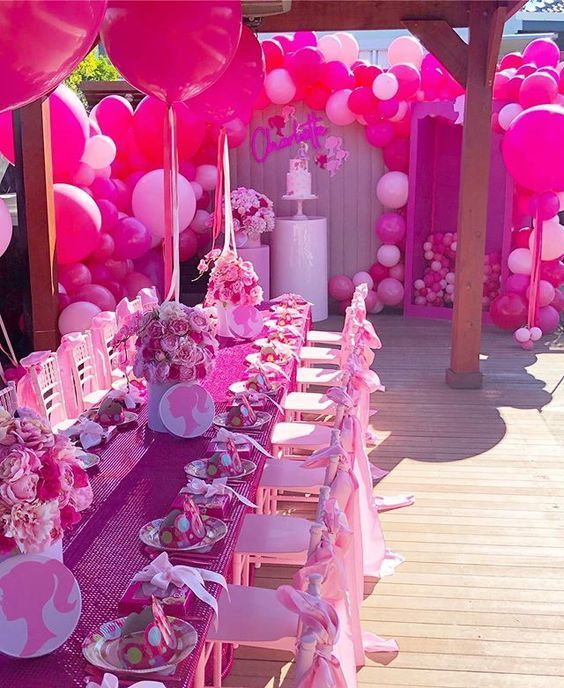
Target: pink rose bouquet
column 253, row 212
column 233, row 281
column 174, row 342
column 43, row 487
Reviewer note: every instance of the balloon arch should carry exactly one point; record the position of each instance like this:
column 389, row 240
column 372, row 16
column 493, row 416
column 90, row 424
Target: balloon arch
column 111, row 169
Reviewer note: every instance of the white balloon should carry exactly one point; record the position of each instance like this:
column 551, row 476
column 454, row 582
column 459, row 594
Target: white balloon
column 363, row 277
column 552, row 240
column 388, row 255
column 508, row 113
column 520, row 261
column 385, row 86
column 350, row 49
column 330, row 47
column 99, row 152
column 406, row 49
column 392, row 189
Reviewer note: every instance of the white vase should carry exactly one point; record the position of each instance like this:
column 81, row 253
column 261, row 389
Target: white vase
column 155, row 391
column 222, row 327
column 55, row 551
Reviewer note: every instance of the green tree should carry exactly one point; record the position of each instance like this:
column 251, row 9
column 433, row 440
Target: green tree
column 94, row 67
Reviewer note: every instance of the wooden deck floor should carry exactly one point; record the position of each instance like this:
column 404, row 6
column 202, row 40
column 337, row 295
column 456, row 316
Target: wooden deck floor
column 479, row 601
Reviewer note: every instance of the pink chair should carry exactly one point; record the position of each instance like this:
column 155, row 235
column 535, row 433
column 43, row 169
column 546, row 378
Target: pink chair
column 41, row 387
column 326, row 338
column 9, row 398
column 78, row 373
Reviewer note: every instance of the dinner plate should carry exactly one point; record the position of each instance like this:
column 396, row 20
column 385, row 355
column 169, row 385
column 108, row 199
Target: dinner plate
column 240, row 387
column 100, row 647
column 198, row 469
column 128, row 417
column 263, row 417
column 254, row 360
column 216, row 530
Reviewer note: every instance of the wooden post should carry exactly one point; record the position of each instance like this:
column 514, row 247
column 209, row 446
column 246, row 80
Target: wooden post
column 36, row 217
column 486, row 26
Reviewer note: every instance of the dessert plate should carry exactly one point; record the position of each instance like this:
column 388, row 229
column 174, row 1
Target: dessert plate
column 198, row 469
column 263, row 417
column 216, row 530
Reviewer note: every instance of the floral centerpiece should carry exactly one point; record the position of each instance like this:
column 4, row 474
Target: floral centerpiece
column 174, row 343
column 43, row 487
column 253, row 214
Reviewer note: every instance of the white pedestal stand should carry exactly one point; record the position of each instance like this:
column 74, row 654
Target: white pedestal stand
column 299, row 258
column 259, row 256
column 300, row 204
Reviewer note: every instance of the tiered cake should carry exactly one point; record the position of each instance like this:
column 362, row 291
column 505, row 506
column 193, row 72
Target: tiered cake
column 298, row 179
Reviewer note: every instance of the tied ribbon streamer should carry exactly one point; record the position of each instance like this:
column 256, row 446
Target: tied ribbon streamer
column 322, row 458
column 219, row 486
column 368, row 335
column 111, row 681
column 320, row 619
column 160, row 573
column 340, row 397
column 254, row 397
column 89, row 432
column 131, row 397
column 224, row 435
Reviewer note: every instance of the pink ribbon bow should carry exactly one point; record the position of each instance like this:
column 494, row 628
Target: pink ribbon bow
column 254, row 397
column 160, row 574
column 320, row 619
column 223, row 435
column 368, row 335
column 34, row 359
column 131, row 397
column 322, row 458
column 69, row 341
column 339, row 396
column 271, row 370
column 89, row 432
column 219, row 486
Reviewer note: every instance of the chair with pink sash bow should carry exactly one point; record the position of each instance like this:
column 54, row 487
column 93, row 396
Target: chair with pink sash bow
column 9, row 398
column 41, row 388
column 125, row 308
column 148, row 298
column 335, row 339
column 78, row 373
column 106, row 357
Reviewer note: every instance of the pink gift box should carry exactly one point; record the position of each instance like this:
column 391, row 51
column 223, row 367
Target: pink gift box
column 216, row 506
column 175, row 600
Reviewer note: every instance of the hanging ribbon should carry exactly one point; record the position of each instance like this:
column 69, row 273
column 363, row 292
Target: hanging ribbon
column 535, row 273
column 160, row 574
column 10, row 354
column 219, row 486
column 224, row 435
column 218, row 205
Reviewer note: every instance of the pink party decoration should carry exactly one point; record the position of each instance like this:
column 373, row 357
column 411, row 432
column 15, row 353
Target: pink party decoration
column 371, row 300
column 542, row 52
column 206, row 176
column 547, row 205
column 5, row 227
column 405, row 49
column 98, row 295
column 546, row 293
column 201, row 224
column 385, row 86
column 187, row 410
column 244, row 322
column 390, row 291
column 552, row 240
column 147, row 202
column 548, row 319
column 304, row 66
column 398, row 272
column 273, row 54
column 537, row 89
column 172, row 66
column 349, row 48
column 77, row 317
column 509, row 311
column 114, row 116
column 73, row 276
column 380, row 133
column 341, row 287
column 508, row 113
column 279, row 86
column 363, row 278
column 188, row 244
column 109, row 214
column 131, row 239
column 390, row 228
column 104, row 249
column 378, row 272
column 84, row 175
column 69, row 132
column 64, row 32
column 335, row 76
column 99, row 152
column 330, row 47
column 409, row 79
column 38, row 621
column 392, row 189
column 337, row 108
column 520, row 261
column 519, row 284
column 553, row 272
column 529, row 152
column 388, row 255
column 134, row 282
column 78, row 223
column 396, row 155
column 236, row 90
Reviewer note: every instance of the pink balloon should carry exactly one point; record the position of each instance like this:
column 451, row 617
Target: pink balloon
column 206, row 176
column 362, row 100
column 398, row 272
column 529, row 151
column 188, row 244
column 273, row 54
column 330, row 47
column 114, row 116
column 238, row 87
column 84, row 175
column 390, row 228
column 43, row 44
column 390, row 291
column 511, row 61
column 337, row 108
column 336, row 76
column 104, row 249
column 548, row 319
column 409, row 79
column 236, row 131
column 388, row 255
column 552, row 240
column 303, row 39
column 279, row 86
column 77, row 317
column 131, row 239
column 545, row 295
column 553, row 272
column 405, row 49
column 123, row 200
column 396, row 155
column 509, row 311
column 548, row 204
column 385, row 86
column 103, row 188
column 392, row 189
column 201, row 224
column 537, row 89
column 371, row 301
column 118, row 269
column 98, row 295
column 520, row 261
column 378, row 272
column 109, row 214
column 134, row 282
column 380, row 133
column 363, row 277
column 5, row 227
column 74, row 276
column 558, row 300
column 542, row 52
column 341, row 287
column 100, row 274
column 186, row 46
column 78, row 223
column 148, row 202
column 518, row 284
column 69, row 131
column 305, row 66
column 7, row 136
column 99, row 153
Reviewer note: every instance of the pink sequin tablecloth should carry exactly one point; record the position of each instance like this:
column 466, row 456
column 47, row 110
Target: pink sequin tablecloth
column 139, row 475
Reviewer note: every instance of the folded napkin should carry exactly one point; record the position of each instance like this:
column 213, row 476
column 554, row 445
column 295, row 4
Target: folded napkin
column 111, row 681
column 90, row 434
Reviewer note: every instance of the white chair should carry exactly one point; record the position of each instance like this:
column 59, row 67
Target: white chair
column 76, row 356
column 44, row 376
column 9, row 398
column 107, row 358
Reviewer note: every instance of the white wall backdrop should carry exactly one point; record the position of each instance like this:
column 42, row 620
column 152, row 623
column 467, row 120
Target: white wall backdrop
column 348, row 199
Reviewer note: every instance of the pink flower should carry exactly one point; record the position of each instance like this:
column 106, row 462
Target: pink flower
column 187, row 373
column 69, row 516
column 198, row 321
column 162, row 371
column 22, row 490
column 19, row 462
column 178, row 326
column 31, row 525
column 49, row 486
column 155, row 330
column 231, row 272
column 169, row 343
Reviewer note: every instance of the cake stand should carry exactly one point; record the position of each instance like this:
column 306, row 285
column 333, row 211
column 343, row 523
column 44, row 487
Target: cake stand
column 300, row 207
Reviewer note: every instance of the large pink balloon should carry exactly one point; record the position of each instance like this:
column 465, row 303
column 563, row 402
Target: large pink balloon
column 509, row 311
column 532, row 151
column 390, row 291
column 42, row 42
column 114, row 116
column 390, row 228
column 171, row 50
column 341, row 287
column 405, row 49
column 548, row 319
column 74, row 276
column 97, row 294
column 77, row 317
column 238, row 87
column 78, row 222
column 5, row 227
column 542, row 52
column 131, row 239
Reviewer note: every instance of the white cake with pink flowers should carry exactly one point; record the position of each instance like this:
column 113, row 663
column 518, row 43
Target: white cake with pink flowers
column 298, row 179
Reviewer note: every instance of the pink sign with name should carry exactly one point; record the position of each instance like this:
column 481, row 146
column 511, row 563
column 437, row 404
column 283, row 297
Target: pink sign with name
column 40, row 605
column 187, row 410
column 244, row 322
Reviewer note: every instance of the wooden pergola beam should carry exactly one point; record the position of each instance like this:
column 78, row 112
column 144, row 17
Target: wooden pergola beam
column 444, row 43
column 486, row 28
column 36, row 217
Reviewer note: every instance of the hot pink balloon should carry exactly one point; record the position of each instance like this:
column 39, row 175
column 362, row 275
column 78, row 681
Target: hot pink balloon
column 517, row 283
column 542, row 52
column 69, row 131
column 305, row 65
column 553, row 272
column 77, row 317
column 84, row 175
column 114, row 116
column 362, row 100
column 134, row 282
column 390, row 291
column 78, row 223
column 548, row 319
column 187, row 46
column 396, row 155
column 74, row 276
column 537, row 89
column 131, row 239
column 238, row 87
column 509, row 311
column 103, row 188
column 390, row 228
column 336, row 76
column 98, row 295
column 42, row 45
column 104, row 249
column 236, row 131
column 409, row 79
column 529, row 151
column 109, row 214
column 341, row 287
column 380, row 133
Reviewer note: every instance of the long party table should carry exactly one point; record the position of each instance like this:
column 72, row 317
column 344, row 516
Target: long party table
column 139, row 474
